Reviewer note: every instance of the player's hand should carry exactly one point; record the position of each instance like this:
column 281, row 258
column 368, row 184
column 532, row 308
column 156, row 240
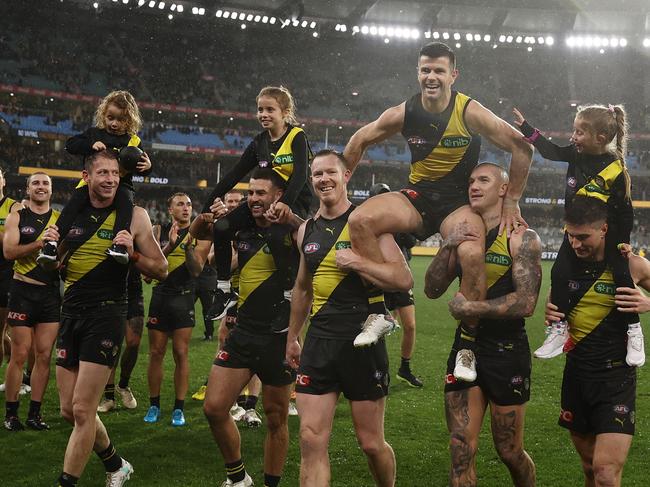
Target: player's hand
column 458, row 306
column 347, row 259
column 144, row 164
column 511, row 218
column 51, row 233
column 519, row 117
column 173, row 234
column 147, row 279
column 99, row 146
column 218, row 208
column 462, row 232
column 124, row 238
column 631, row 300
column 551, row 314
column 625, row 249
column 292, row 354
column 280, row 213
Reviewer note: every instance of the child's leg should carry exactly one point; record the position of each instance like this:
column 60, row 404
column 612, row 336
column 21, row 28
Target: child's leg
column 124, row 203
column 224, row 232
column 560, row 275
column 281, row 246
column 620, row 266
column 73, row 207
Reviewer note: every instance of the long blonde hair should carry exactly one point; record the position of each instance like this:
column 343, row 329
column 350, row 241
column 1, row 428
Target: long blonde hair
column 284, row 99
column 124, row 101
column 611, row 122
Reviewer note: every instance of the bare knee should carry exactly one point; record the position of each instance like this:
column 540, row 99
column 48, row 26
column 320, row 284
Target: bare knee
column 312, row 440
column 156, row 355
column 276, row 420
column 370, row 443
column 511, row 457
column 66, row 413
column 180, row 354
column 606, row 473
column 19, row 355
column 215, row 411
column 82, row 414
column 362, row 220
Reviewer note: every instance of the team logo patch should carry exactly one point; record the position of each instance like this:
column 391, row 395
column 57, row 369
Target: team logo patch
column 106, row 343
column 566, row 416
column 497, row 259
column 76, row 232
column 455, row 142
column 450, row 379
column 16, row 316
column 243, row 246
column 283, row 159
column 517, row 380
column 311, row 247
column 415, row 140
column 28, row 230
column 153, row 320
column 574, row 286
column 621, row 409
column 605, row 288
column 263, row 163
column 303, row 380
column 223, row 355
column 571, row 182
column 105, row 234
column 61, row 353
column 343, row 244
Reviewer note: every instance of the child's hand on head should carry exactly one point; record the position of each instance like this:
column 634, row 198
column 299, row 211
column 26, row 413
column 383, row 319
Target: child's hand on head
column 99, row 146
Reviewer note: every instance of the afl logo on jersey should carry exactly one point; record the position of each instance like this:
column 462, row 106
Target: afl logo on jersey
column 574, row 286
column 76, row 232
column 415, row 140
column 571, row 182
column 311, row 247
column 243, row 246
column 28, row 230
column 263, row 163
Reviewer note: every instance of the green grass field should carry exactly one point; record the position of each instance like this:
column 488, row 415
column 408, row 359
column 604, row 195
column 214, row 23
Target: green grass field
column 415, row 426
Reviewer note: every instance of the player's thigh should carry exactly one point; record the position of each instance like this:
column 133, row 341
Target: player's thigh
column 368, row 420
column 316, row 414
column 387, row 213
column 464, row 411
column 612, row 449
column 89, row 386
column 507, row 423
column 157, row 342
column 45, row 336
column 224, row 386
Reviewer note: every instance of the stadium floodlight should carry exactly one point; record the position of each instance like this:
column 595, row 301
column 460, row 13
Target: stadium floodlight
column 195, row 11
column 502, row 38
column 549, row 40
column 265, row 19
column 646, row 42
column 295, row 22
column 613, row 42
column 436, row 35
column 344, row 28
column 469, row 37
column 540, row 40
column 458, row 45
column 477, row 37
column 312, row 25
column 509, row 39
column 125, row 2
column 445, row 35
column 218, row 14
column 427, row 34
column 530, row 48
column 257, row 18
column 623, row 42
column 518, row 39
column 95, row 5
column 364, row 29
column 381, row 30
column 152, row 4
column 602, row 51
column 201, row 11
column 272, row 20
column 304, row 24
column 243, row 26
column 242, row 16
column 315, row 33
column 456, row 36
column 173, row 7
column 226, row 14
column 487, row 38
column 386, row 41
column 179, row 8
column 570, row 41
column 161, row 5
column 373, row 30
column 415, row 33
column 170, row 16
column 140, row 3
column 249, row 17
column 390, row 31
column 494, row 46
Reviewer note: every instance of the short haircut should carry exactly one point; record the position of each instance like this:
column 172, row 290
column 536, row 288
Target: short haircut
column 329, row 152
column 502, row 170
column 170, row 200
column 89, row 160
column 585, row 210
column 37, row 173
column 439, row 49
column 269, row 174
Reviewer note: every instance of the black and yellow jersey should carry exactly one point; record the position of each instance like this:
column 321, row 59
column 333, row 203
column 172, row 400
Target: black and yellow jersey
column 6, row 204
column 30, row 227
column 92, row 279
column 260, row 284
column 498, row 270
column 597, row 329
column 340, row 299
column 178, row 278
column 443, row 150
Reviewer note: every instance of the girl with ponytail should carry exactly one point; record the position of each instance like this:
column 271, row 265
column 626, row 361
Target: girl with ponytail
column 596, row 169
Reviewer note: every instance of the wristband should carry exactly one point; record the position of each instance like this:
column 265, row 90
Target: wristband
column 135, row 256
column 533, row 137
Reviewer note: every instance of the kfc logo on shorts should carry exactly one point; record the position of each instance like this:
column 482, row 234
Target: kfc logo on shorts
column 621, row 409
column 16, row 316
column 28, row 230
column 231, row 320
column 223, row 355
column 303, row 380
column 411, row 193
column 61, row 353
column 574, row 286
column 517, row 380
column 450, row 379
column 566, row 416
column 311, row 247
column 153, row 320
column 106, row 343
column 571, row 182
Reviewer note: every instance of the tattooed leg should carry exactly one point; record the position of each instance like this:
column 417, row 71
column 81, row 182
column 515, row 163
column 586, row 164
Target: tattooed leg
column 508, row 436
column 464, row 412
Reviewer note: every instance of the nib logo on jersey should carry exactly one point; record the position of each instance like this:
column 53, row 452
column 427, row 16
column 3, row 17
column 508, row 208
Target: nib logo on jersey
column 105, row 234
column 455, row 142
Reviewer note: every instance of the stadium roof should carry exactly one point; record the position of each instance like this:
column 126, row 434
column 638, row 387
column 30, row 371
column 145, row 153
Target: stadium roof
column 630, row 17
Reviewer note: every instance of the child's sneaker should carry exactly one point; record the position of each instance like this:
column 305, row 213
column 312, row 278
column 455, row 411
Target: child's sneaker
column 635, row 349
column 556, row 336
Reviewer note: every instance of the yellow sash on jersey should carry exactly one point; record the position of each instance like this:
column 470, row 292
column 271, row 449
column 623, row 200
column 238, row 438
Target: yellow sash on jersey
column 27, row 263
column 284, row 160
column 600, row 185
